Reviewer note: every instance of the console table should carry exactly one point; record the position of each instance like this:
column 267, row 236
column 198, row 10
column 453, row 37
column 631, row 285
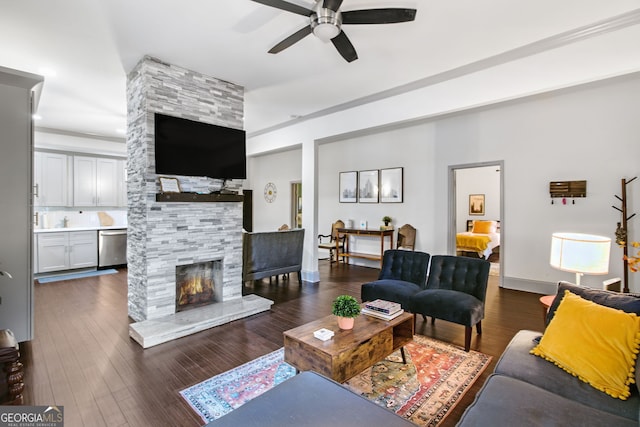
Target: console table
column 363, row 232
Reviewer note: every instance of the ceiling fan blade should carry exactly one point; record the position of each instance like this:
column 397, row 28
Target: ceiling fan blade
column 378, row 16
column 283, row 5
column 293, row 38
column 332, row 4
column 344, row 46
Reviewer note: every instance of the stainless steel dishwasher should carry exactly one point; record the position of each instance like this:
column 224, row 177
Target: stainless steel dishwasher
column 112, row 247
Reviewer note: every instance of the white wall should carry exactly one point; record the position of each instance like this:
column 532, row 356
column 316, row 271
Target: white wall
column 588, row 132
column 408, row 148
column 480, row 180
column 282, row 169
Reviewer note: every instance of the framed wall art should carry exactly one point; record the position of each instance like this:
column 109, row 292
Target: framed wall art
column 476, row 204
column 348, row 192
column 391, row 185
column 368, row 186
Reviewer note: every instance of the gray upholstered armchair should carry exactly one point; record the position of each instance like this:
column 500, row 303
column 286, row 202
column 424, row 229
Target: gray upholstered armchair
column 403, row 275
column 455, row 292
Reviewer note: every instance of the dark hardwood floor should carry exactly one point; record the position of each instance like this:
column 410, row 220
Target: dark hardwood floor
column 82, row 356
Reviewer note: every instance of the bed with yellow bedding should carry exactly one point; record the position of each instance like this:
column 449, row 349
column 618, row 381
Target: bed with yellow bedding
column 482, row 238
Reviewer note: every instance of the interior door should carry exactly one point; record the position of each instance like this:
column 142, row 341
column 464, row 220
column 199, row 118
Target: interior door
column 466, row 182
column 16, row 178
column 296, row 205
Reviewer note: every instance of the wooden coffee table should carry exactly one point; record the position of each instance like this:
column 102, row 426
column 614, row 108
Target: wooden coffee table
column 349, row 352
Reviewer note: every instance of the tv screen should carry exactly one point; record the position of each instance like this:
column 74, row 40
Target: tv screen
column 190, row 148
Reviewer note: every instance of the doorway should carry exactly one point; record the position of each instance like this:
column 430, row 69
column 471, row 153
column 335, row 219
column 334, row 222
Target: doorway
column 296, row 205
column 476, row 193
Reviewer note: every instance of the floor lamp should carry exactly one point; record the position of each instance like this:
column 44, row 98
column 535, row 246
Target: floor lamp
column 580, row 253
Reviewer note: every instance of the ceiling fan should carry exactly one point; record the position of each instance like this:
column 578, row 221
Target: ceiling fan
column 326, row 19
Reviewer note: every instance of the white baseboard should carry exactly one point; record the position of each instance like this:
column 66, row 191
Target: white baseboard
column 311, row 276
column 535, row 286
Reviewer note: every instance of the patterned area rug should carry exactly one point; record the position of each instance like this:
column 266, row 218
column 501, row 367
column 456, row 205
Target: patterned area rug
column 423, row 391
column 223, row 393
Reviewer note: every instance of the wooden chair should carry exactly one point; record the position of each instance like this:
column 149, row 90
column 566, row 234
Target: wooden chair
column 283, row 227
column 331, row 243
column 406, row 237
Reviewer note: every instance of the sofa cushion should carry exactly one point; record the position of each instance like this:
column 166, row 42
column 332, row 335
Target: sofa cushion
column 629, row 303
column 408, row 266
column 517, row 362
column 596, row 343
column 504, row 401
column 390, row 290
column 449, row 305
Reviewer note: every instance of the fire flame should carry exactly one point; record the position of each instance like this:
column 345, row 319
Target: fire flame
column 196, row 286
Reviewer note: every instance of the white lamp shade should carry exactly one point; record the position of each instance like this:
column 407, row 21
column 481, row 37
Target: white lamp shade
column 580, row 253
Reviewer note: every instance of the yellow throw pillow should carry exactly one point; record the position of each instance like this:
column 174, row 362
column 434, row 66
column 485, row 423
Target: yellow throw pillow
column 595, row 343
column 482, row 227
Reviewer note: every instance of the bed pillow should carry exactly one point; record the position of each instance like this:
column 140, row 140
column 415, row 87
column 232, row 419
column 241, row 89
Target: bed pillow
column 483, row 227
column 595, row 343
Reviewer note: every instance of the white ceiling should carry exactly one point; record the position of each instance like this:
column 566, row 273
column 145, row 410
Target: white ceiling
column 90, row 45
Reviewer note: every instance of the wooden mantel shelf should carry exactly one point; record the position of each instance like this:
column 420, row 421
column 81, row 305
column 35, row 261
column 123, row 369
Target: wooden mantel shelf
column 198, row 198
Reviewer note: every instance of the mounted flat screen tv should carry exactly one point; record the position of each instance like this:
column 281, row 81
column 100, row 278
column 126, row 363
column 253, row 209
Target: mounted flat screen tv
column 190, row 148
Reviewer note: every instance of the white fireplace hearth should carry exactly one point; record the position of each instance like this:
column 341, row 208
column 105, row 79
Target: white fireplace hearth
column 157, row 331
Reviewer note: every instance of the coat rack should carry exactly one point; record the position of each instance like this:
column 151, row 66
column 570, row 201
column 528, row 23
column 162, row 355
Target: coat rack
column 621, row 230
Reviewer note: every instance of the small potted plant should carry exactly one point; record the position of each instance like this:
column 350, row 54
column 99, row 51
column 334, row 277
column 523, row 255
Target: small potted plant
column 387, row 220
column 347, row 309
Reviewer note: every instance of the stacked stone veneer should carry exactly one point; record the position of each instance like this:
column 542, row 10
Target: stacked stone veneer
column 164, row 235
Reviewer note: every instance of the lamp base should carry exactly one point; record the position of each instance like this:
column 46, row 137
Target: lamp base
column 578, row 275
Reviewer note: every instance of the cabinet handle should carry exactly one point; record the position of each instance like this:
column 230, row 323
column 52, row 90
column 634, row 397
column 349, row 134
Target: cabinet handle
column 36, row 190
column 6, row 273
column 36, row 218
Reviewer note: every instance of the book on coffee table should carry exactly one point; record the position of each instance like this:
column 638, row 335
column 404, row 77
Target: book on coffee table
column 386, row 307
column 380, row 315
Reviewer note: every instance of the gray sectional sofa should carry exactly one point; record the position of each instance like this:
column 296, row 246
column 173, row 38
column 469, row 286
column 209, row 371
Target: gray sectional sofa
column 526, row 390
column 270, row 253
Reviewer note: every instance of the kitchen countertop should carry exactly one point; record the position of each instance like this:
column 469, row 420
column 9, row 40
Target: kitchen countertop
column 94, row 228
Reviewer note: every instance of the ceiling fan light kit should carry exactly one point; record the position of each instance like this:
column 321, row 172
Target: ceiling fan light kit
column 326, row 19
column 325, row 23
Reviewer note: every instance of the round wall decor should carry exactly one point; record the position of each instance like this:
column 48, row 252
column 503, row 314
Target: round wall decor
column 270, row 192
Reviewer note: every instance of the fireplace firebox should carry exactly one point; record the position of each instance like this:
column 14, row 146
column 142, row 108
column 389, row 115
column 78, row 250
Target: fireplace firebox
column 196, row 284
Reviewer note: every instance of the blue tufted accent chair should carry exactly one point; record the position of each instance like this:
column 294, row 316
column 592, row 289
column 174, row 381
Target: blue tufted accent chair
column 455, row 292
column 403, row 275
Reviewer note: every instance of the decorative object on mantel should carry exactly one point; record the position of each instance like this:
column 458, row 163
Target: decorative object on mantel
column 270, row 192
column 630, row 262
column 347, row 309
column 568, row 189
column 169, row 185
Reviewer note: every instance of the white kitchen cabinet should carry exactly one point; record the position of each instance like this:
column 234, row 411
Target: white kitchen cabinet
column 51, row 179
column 107, row 182
column 65, row 250
column 95, row 181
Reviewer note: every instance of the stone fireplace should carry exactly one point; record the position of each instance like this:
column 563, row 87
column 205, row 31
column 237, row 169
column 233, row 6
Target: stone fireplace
column 168, row 232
